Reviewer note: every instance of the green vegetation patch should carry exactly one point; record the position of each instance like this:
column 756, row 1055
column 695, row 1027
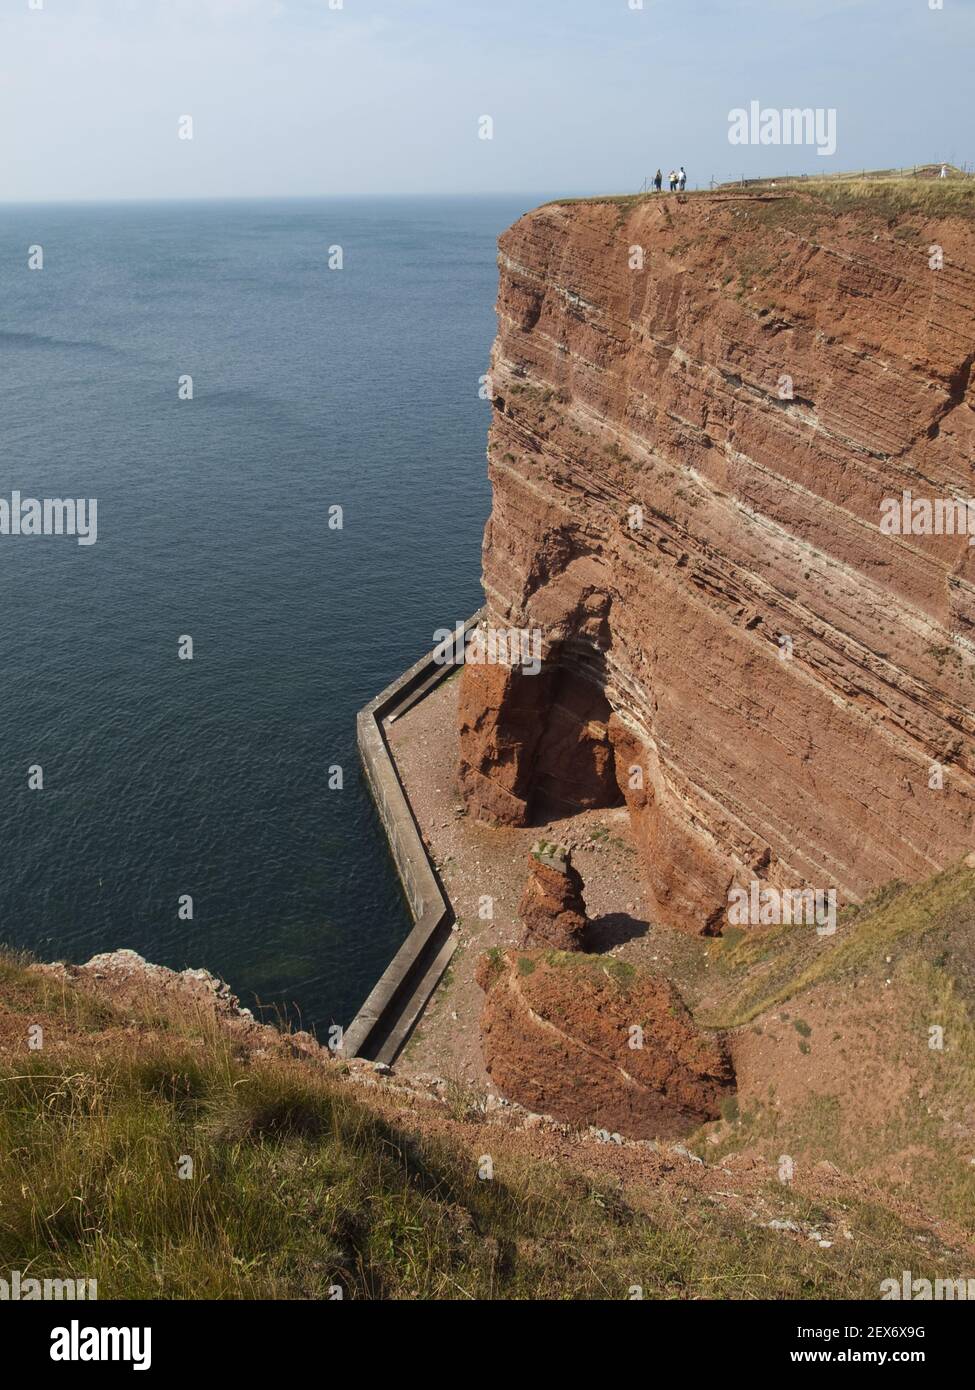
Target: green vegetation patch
column 764, row 968
column 183, row 1167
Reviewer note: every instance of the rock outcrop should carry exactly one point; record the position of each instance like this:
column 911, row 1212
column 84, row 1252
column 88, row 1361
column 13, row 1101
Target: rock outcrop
column 129, row 981
column 543, row 738
column 595, row 1042
column 552, row 907
column 700, row 406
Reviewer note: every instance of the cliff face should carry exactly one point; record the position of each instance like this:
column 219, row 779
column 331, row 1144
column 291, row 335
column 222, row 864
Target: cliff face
column 700, row 405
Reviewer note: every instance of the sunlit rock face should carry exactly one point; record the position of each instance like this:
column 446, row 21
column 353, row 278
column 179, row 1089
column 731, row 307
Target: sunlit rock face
column 596, row 1042
column 703, row 408
column 552, row 908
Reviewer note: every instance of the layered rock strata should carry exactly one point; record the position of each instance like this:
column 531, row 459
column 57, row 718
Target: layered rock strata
column 595, row 1042
column 552, row 908
column 700, row 407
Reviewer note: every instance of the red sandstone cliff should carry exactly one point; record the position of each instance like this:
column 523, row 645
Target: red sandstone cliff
column 782, row 674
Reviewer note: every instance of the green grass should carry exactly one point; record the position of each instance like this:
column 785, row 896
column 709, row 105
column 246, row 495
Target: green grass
column 599, row 968
column 912, row 946
column 298, row 1188
column 765, row 968
column 893, row 197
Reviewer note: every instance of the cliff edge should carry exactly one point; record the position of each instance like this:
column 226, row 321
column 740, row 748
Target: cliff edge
column 702, row 408
column 164, row 1144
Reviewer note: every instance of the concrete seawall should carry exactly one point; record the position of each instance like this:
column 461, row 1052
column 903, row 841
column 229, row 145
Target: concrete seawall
column 386, row 1019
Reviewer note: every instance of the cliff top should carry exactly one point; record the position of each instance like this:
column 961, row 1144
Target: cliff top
column 889, row 193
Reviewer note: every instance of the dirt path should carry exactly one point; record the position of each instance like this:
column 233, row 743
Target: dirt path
column 479, row 863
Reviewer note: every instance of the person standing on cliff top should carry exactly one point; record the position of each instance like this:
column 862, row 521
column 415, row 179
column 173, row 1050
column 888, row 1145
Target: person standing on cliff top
column 682, row 179
column 658, row 180
column 672, row 180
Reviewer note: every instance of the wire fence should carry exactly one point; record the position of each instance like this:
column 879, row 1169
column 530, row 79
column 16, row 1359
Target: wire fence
column 911, row 171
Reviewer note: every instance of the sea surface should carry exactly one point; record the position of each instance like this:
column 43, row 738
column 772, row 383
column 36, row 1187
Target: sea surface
column 312, row 388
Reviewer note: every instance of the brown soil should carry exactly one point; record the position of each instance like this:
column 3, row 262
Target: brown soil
column 476, row 861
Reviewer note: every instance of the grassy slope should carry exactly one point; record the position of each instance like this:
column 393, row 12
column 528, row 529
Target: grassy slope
column 302, row 1182
column 880, row 1101
column 887, row 196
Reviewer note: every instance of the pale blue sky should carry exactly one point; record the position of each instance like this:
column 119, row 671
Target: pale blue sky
column 291, row 97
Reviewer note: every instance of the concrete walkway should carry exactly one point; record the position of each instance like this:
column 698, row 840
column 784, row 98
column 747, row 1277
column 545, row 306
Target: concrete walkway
column 386, row 1019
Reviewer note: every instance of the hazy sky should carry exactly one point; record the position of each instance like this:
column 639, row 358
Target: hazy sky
column 384, row 96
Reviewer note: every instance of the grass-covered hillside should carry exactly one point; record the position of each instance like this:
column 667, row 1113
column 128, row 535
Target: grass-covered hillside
column 887, row 193
column 859, row 1048
column 310, row 1175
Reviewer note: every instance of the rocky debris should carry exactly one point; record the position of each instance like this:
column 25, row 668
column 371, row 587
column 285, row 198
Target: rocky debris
column 552, row 908
column 598, row 1044
column 125, row 978
column 688, row 466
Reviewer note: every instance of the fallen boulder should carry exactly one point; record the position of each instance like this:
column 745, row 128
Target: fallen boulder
column 594, row 1041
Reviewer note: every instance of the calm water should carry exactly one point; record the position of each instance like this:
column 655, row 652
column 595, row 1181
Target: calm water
column 355, row 387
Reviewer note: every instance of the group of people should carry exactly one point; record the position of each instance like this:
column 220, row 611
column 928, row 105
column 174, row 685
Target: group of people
column 676, row 178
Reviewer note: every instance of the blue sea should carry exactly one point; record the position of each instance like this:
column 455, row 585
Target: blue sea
column 312, row 388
